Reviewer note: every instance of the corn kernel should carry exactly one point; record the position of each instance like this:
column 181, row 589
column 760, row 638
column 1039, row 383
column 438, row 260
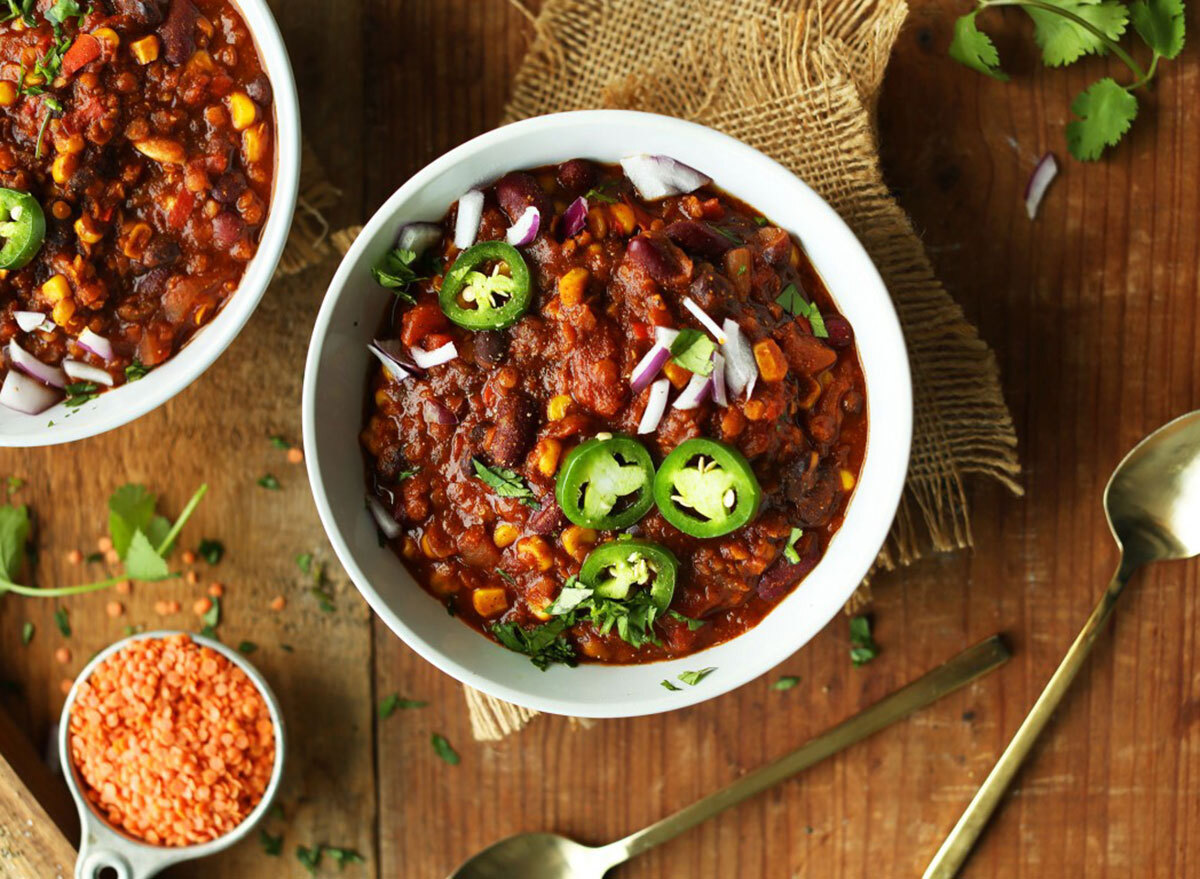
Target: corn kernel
column 71, row 144
column 573, row 286
column 8, row 94
column 63, row 312
column 548, row 452
column 134, row 241
column 254, row 142
column 489, row 602
column 410, row 548
column 536, row 550
column 60, row 209
column 578, row 541
column 242, row 111
column 88, row 230
column 145, row 50
column 443, row 582
column 847, row 480
column 63, row 167
column 381, row 396
column 504, row 535
column 107, row 35
column 538, row 608
column 557, row 407
column 623, row 217
column 56, row 289
column 676, row 373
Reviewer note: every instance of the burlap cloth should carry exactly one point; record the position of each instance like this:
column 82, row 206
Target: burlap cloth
column 798, row 80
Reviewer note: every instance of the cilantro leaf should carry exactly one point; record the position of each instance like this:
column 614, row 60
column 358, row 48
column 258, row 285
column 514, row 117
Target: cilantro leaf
column 246, row 648
column 1064, row 41
column 975, row 49
column 14, row 534
column 862, row 646
column 390, row 703
column 79, row 393
column 27, row 631
column 789, row 551
column 444, row 750
column 268, row 481
column 1160, row 23
column 395, row 272
column 795, row 304
column 785, row 683
column 309, row 857
column 211, row 550
column 343, row 856
column 505, row 483
column 136, row 370
column 543, row 644
column 670, row 686
column 693, row 351
column 1105, row 111
column 142, row 561
column 62, row 621
column 304, row 562
column 279, row 442
column 271, row 845
column 691, row 678
column 130, row 509
column 212, row 616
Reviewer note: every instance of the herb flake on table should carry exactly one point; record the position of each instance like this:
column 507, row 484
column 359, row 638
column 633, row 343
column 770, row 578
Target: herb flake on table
column 393, row 702
column 211, row 550
column 62, row 621
column 14, row 484
column 279, row 442
column 785, row 683
column 505, row 483
column 692, row 350
column 271, row 845
column 443, row 749
column 862, row 646
column 691, row 678
column 304, row 562
column 211, row 618
column 309, row 857
column 268, row 481
column 27, row 631
column 247, row 647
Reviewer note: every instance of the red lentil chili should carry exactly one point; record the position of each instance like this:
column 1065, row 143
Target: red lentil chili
column 142, row 129
column 644, row 457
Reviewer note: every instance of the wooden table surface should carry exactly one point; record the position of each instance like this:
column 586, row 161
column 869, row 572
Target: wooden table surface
column 1093, row 311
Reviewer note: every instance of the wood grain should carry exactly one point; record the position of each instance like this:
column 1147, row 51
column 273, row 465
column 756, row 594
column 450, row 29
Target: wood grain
column 1095, row 316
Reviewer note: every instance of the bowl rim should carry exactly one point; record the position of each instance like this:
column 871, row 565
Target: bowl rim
column 888, row 487
column 237, row 310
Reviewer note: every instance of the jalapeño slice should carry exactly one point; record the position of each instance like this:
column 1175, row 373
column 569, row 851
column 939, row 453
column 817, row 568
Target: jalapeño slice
column 615, row 568
column 706, row 488
column 479, row 298
column 22, row 228
column 606, row 483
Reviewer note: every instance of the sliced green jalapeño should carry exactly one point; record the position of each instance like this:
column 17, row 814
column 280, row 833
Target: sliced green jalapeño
column 614, row 569
column 22, row 228
column 706, row 488
column 606, row 483
column 477, row 298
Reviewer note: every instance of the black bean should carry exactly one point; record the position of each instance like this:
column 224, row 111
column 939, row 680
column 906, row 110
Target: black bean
column 576, row 175
column 697, row 237
column 145, row 12
column 228, row 187
column 490, row 346
column 259, row 89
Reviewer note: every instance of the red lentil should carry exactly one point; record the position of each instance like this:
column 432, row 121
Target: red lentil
column 173, row 743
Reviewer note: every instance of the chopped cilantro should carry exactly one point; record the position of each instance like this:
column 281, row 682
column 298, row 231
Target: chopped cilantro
column 136, row 370
column 246, row 648
column 27, row 631
column 505, row 483
column 211, row 550
column 212, row 617
column 785, row 683
column 268, row 481
column 693, row 351
column 691, row 678
column 543, row 644
column 789, row 551
column 395, row 272
column 669, row 685
column 62, row 621
column 79, row 393
column 271, row 845
column 389, row 704
column 793, row 303
column 443, row 749
column 304, row 562
column 862, row 646
column 279, row 442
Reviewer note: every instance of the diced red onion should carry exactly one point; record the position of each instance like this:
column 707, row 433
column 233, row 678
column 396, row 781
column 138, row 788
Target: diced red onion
column 574, row 217
column 439, row 413
column 718, row 378
column 656, row 405
column 389, row 526
column 709, row 323
column 29, row 321
column 665, row 336
column 693, row 395
column 34, row 368
column 23, row 394
column 648, row 367
column 657, row 177
column 525, row 230
column 85, row 372
column 470, row 214
column 741, row 371
column 395, row 368
column 418, row 237
column 436, row 357
column 97, row 344
column 1039, row 182
column 750, row 386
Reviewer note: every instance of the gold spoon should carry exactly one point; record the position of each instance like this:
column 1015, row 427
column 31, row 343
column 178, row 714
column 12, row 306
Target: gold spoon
column 548, row 856
column 1152, row 502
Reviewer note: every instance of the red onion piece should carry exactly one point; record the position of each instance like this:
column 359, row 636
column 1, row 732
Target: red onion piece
column 741, row 371
column 436, row 357
column 525, row 230
column 693, row 395
column 22, row 394
column 96, row 344
column 85, row 372
column 718, row 378
column 709, row 323
column 665, row 336
column 418, row 237
column 648, row 367
column 34, row 368
column 574, row 217
column 29, row 321
column 439, row 413
column 656, row 405
column 395, row 368
column 389, row 526
column 1043, row 173
column 470, row 214
column 656, row 177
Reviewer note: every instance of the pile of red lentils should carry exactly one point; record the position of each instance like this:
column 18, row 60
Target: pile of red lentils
column 173, row 743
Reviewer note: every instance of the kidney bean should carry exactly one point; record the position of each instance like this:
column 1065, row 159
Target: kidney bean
column 259, row 89
column 779, row 579
column 661, row 259
column 178, row 31
column 813, row 492
column 146, row 12
column 517, row 191
column 711, row 290
column 776, row 245
column 548, row 519
column 227, row 228
column 514, row 425
column 576, row 175
column 228, row 187
column 697, row 237
column 841, row 334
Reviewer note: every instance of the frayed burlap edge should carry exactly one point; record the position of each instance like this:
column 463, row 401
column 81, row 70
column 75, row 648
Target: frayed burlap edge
column 308, row 240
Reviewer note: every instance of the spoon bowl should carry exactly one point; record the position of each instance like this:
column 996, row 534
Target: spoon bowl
column 537, row 856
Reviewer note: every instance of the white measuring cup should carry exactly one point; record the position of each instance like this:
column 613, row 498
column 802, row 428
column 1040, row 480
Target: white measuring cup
column 103, row 847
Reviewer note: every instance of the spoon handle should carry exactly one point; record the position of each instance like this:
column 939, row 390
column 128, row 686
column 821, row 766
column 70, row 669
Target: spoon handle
column 958, row 672
column 954, row 851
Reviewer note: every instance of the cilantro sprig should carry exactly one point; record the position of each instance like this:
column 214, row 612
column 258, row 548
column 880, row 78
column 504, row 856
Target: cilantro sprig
column 396, row 273
column 1068, row 30
column 141, row 538
column 505, row 483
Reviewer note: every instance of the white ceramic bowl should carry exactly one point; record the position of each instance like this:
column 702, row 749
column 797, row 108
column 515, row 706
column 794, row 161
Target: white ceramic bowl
column 121, row 405
column 335, row 385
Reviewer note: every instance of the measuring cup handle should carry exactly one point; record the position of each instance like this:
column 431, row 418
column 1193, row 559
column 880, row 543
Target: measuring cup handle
column 95, row 858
